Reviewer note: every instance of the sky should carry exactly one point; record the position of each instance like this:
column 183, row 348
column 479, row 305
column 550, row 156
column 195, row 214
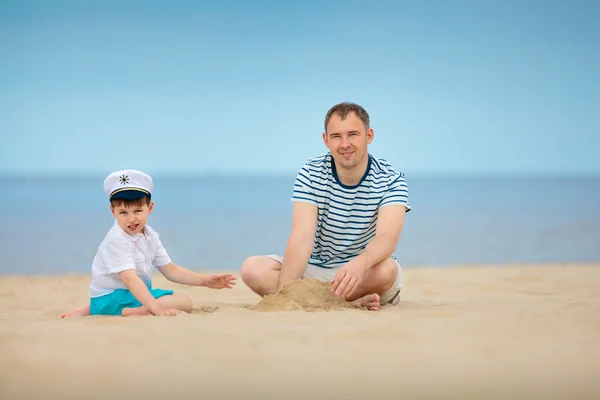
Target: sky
column 230, row 87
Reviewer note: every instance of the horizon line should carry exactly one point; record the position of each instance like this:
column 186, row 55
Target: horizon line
column 287, row 175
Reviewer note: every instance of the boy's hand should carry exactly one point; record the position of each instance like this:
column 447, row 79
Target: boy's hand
column 166, row 312
column 220, row 281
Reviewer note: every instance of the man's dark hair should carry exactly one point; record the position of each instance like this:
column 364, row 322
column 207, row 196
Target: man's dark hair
column 345, row 108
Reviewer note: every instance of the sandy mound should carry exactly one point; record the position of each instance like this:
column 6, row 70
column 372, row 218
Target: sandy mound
column 303, row 295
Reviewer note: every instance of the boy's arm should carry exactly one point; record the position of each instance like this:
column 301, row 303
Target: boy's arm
column 300, row 242
column 140, row 291
column 174, row 272
column 182, row 275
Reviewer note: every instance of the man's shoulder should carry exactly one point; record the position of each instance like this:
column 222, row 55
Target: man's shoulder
column 319, row 163
column 383, row 169
column 317, row 168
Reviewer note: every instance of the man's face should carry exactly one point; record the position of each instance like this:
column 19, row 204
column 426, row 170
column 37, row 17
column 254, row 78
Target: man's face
column 347, row 140
column 131, row 218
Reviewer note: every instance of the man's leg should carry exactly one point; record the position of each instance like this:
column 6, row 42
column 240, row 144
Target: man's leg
column 379, row 286
column 379, row 278
column 178, row 301
column 261, row 274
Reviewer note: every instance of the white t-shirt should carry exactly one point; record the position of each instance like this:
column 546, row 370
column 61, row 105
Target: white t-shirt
column 120, row 251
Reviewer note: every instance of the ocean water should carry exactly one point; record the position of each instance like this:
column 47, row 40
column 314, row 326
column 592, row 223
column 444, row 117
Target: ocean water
column 54, row 225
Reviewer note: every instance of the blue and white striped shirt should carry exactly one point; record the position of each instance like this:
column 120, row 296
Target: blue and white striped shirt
column 347, row 215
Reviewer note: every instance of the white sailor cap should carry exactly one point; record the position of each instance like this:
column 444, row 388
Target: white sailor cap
column 128, row 184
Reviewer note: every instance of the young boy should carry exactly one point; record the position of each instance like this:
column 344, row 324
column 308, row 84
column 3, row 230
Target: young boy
column 122, row 268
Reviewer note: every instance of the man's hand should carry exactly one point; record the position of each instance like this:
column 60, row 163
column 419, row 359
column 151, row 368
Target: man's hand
column 220, row 281
column 348, row 278
column 389, row 225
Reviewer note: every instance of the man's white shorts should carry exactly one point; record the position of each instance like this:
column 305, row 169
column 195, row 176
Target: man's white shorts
column 391, row 296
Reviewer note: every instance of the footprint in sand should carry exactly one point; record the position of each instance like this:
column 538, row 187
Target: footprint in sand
column 204, row 309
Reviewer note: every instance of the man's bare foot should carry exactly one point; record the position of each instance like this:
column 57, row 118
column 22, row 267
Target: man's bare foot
column 370, row 301
column 138, row 311
column 81, row 312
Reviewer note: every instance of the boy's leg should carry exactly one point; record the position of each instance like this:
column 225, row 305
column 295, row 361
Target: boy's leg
column 178, row 301
column 80, row 312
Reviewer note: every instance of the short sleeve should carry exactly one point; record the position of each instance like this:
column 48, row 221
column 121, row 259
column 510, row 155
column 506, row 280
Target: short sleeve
column 161, row 257
column 397, row 193
column 303, row 189
column 118, row 255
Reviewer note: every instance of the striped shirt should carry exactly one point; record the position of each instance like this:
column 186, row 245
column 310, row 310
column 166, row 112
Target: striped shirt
column 347, row 215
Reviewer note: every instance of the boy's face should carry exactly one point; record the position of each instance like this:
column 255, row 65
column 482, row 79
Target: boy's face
column 132, row 218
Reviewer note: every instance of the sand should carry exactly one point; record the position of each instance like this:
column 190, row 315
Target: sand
column 310, row 295
column 516, row 331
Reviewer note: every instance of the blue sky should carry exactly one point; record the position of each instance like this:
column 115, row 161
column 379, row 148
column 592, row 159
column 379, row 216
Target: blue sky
column 471, row 87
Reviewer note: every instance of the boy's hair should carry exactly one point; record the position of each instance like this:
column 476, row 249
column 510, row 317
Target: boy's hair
column 130, row 203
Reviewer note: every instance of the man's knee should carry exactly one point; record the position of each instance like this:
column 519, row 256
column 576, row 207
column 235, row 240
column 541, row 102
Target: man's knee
column 382, row 276
column 260, row 273
column 250, row 270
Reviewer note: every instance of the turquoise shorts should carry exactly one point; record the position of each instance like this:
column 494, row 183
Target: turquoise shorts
column 114, row 303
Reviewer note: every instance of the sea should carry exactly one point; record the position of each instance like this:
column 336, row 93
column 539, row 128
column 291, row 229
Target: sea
column 53, row 225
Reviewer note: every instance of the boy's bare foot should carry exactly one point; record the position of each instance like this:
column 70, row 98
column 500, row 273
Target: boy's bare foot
column 80, row 312
column 138, row 311
column 370, row 301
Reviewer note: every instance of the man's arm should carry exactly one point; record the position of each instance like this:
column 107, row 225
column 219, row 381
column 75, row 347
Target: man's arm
column 389, row 226
column 300, row 243
column 390, row 223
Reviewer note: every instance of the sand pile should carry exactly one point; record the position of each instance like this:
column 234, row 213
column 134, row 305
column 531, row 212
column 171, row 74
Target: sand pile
column 304, row 295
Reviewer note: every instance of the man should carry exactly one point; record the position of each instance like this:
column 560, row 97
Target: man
column 348, row 213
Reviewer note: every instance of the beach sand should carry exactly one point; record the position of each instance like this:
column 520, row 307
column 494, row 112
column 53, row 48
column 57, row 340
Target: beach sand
column 477, row 332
